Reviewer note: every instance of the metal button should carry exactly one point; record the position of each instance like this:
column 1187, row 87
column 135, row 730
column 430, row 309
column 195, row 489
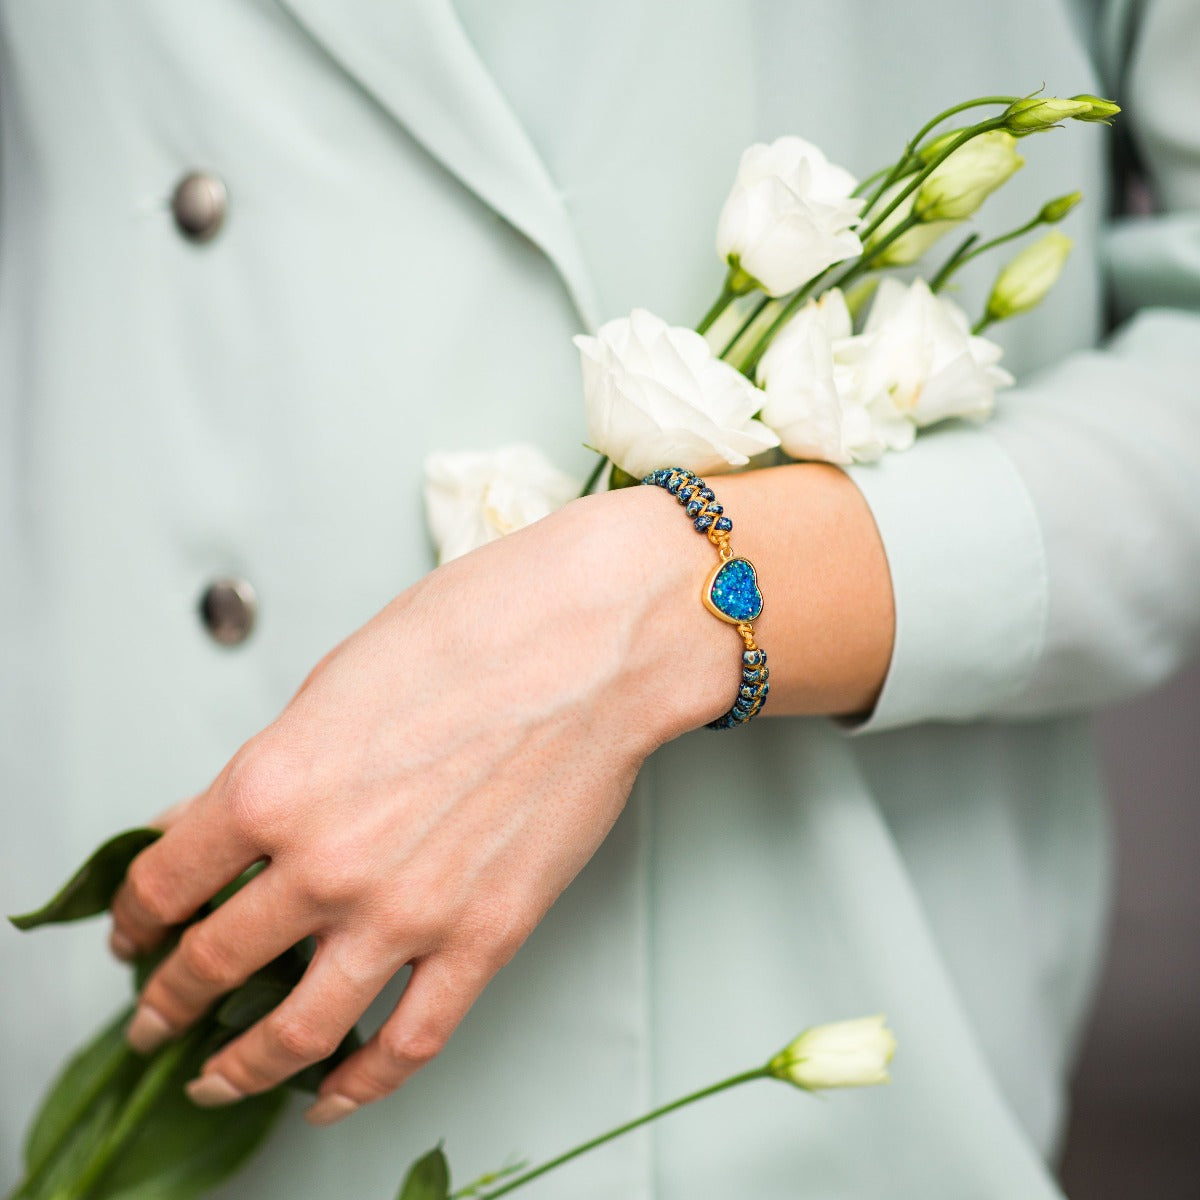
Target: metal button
column 199, row 205
column 228, row 608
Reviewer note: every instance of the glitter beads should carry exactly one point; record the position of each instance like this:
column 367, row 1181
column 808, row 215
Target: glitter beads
column 731, row 591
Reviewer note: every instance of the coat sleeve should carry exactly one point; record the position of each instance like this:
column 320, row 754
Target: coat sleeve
column 1050, row 560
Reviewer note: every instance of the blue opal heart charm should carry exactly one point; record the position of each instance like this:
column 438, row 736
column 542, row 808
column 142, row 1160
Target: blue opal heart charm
column 731, row 592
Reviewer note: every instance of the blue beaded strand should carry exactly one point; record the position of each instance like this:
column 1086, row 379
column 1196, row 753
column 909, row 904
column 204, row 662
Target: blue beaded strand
column 739, row 607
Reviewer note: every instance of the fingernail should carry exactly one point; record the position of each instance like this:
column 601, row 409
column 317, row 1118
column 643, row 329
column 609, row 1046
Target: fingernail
column 148, row 1030
column 331, row 1109
column 212, row 1091
column 121, row 946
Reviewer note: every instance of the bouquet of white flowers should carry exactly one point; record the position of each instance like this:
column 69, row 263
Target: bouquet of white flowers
column 813, row 350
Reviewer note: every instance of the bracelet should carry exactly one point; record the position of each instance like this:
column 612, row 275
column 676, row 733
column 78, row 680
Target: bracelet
column 731, row 590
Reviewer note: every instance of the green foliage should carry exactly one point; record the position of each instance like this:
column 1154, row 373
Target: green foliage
column 91, row 889
column 428, row 1178
column 116, row 1126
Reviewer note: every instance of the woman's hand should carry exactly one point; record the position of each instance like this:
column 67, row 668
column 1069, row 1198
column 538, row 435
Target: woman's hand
column 436, row 782
column 443, row 774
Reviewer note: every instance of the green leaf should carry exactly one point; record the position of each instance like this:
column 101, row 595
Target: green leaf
column 91, row 889
column 181, row 1151
column 93, row 1068
column 251, row 1002
column 428, row 1178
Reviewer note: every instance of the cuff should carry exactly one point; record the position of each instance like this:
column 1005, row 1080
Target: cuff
column 969, row 579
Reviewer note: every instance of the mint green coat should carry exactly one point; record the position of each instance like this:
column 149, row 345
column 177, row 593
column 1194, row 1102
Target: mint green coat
column 425, row 202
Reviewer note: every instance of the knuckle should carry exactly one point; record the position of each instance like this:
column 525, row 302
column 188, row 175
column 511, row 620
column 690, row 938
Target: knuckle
column 332, row 879
column 258, row 787
column 206, row 960
column 410, row 1049
column 151, row 894
column 300, row 1039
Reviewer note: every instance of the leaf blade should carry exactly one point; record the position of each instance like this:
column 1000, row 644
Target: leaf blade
column 428, row 1178
column 91, row 889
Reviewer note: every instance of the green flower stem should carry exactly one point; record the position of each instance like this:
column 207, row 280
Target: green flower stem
column 902, row 166
column 960, row 257
column 952, row 263
column 142, row 1099
column 785, row 314
column 720, row 304
column 865, row 263
column 594, row 477
column 982, row 324
column 757, row 312
column 712, row 1090
column 863, row 184
column 920, row 176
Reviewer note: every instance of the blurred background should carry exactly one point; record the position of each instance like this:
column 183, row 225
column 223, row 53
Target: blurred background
column 1135, row 1131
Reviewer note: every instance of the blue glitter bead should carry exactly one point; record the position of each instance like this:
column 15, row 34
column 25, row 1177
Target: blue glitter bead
column 718, row 509
column 700, row 524
column 724, row 524
column 693, row 507
column 752, row 657
column 707, row 494
column 734, row 590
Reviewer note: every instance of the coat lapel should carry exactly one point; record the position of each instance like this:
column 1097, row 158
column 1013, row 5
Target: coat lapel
column 415, row 60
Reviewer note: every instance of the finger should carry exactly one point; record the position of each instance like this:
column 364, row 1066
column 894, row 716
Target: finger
column 202, row 850
column 216, row 955
column 169, row 816
column 436, row 999
column 305, row 1028
column 120, row 944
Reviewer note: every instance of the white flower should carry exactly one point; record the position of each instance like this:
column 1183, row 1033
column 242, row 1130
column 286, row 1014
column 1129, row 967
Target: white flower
column 1024, row 282
column 475, row 497
column 656, row 397
column 918, row 362
column 812, row 400
column 789, row 215
column 957, row 187
column 843, row 1054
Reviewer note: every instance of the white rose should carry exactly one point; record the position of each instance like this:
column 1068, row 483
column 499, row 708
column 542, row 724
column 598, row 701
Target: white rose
column 475, row 497
column 656, row 397
column 918, row 362
column 842, row 1054
column 789, row 215
column 812, row 396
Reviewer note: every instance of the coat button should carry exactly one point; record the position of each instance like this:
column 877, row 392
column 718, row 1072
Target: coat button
column 228, row 608
column 199, row 205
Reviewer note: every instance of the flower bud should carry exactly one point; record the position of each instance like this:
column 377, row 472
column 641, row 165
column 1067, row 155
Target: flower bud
column 844, row 1054
column 1024, row 282
column 964, row 181
column 930, row 150
column 1035, row 113
column 1054, row 210
column 1099, row 109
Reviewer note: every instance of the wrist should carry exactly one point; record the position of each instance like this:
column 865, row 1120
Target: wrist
column 684, row 664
